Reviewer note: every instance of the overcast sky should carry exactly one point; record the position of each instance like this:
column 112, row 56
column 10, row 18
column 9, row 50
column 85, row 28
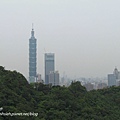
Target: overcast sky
column 83, row 34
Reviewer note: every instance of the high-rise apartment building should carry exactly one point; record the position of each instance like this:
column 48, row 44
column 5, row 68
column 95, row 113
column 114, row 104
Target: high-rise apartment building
column 114, row 78
column 32, row 57
column 49, row 65
column 54, row 78
column 111, row 80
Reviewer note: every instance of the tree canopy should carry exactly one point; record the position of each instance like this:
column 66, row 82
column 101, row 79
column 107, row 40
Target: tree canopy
column 57, row 102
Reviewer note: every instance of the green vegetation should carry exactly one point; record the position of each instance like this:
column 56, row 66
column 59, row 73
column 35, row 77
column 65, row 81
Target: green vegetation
column 55, row 103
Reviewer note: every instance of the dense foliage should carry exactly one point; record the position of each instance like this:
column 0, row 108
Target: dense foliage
column 55, row 103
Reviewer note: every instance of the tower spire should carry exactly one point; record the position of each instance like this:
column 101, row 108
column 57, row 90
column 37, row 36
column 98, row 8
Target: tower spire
column 32, row 32
column 32, row 26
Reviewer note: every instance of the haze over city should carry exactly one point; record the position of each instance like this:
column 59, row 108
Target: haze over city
column 83, row 34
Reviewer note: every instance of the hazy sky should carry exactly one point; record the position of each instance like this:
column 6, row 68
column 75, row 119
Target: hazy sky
column 83, row 34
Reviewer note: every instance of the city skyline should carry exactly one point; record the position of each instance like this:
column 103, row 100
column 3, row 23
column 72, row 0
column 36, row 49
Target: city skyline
column 83, row 34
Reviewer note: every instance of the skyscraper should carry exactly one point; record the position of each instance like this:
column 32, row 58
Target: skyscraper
column 32, row 57
column 111, row 80
column 116, row 73
column 49, row 65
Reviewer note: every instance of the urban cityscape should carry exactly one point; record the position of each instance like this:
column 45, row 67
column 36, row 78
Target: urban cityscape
column 52, row 76
column 65, row 66
column 76, row 34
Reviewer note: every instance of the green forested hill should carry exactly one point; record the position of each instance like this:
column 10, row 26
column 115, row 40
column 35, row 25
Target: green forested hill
column 55, row 103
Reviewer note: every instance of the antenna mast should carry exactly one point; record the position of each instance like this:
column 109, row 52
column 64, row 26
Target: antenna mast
column 32, row 26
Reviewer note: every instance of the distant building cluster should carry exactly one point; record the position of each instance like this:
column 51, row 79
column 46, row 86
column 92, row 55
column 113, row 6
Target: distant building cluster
column 51, row 76
column 113, row 79
column 95, row 85
column 89, row 86
column 101, row 85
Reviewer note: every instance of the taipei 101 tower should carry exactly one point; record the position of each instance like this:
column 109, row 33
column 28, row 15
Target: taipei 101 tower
column 32, row 57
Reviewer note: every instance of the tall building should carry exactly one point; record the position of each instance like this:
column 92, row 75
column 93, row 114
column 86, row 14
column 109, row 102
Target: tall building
column 32, row 57
column 116, row 73
column 111, row 80
column 54, row 78
column 39, row 78
column 49, row 65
